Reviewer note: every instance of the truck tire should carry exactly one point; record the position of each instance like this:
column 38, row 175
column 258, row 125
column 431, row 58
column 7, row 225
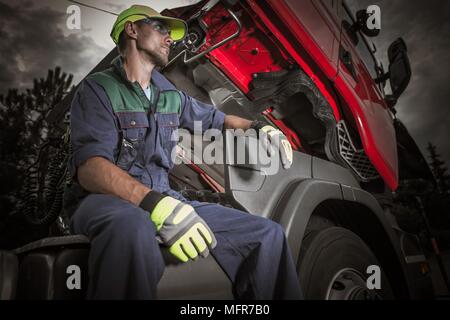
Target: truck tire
column 333, row 266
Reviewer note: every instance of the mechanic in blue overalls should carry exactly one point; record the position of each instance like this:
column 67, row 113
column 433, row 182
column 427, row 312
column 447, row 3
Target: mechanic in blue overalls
column 121, row 125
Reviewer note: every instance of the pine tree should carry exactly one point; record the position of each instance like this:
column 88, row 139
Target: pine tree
column 13, row 146
column 439, row 169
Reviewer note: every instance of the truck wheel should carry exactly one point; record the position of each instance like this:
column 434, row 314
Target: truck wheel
column 333, row 266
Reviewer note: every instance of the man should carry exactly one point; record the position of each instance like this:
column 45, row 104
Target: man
column 121, row 123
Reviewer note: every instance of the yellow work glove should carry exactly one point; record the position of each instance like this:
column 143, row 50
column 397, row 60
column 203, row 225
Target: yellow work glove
column 271, row 136
column 178, row 225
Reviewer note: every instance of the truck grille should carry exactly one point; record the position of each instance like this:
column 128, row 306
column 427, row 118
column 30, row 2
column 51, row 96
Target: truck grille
column 355, row 158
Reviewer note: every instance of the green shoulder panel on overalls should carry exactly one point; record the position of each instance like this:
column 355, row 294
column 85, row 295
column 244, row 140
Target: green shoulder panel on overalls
column 121, row 97
column 169, row 102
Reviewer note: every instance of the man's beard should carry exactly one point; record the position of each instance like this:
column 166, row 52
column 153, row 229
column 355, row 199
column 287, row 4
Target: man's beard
column 157, row 58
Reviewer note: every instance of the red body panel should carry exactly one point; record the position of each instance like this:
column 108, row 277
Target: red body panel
column 372, row 117
column 296, row 56
column 242, row 57
column 363, row 98
column 316, row 29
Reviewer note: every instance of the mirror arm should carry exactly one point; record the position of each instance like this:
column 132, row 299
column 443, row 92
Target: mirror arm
column 391, row 101
column 382, row 78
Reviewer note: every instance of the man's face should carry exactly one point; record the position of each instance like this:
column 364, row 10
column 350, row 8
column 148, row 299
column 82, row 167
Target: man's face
column 154, row 39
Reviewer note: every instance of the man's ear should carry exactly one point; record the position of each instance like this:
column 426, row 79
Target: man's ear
column 130, row 29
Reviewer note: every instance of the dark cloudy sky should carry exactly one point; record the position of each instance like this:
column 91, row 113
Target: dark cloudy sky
column 34, row 38
column 425, row 26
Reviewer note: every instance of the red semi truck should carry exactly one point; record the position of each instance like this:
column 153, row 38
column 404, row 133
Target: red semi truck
column 308, row 68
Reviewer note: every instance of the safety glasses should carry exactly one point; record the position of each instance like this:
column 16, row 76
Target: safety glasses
column 157, row 25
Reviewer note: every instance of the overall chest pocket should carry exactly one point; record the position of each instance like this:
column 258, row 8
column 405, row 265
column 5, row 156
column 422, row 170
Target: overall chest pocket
column 168, row 124
column 133, row 127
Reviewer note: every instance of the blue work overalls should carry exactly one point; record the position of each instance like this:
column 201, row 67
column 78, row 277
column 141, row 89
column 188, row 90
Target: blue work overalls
column 125, row 259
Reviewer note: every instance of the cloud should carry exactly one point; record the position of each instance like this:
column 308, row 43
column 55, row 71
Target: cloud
column 33, row 39
column 425, row 26
column 117, row 8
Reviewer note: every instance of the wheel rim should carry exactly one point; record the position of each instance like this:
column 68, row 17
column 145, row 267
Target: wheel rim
column 350, row 284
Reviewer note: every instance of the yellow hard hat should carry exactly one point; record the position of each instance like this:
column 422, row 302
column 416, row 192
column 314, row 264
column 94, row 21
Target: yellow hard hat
column 134, row 13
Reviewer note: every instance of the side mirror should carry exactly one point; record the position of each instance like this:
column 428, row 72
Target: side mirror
column 399, row 67
column 399, row 70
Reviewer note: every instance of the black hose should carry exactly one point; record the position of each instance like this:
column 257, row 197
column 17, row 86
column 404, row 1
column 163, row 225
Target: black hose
column 43, row 188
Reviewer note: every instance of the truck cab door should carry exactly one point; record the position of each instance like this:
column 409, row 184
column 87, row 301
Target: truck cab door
column 356, row 73
column 320, row 23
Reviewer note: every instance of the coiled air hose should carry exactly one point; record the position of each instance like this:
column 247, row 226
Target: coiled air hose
column 44, row 183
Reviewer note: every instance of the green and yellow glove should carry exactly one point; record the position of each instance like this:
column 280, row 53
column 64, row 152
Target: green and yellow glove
column 178, row 225
column 272, row 136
